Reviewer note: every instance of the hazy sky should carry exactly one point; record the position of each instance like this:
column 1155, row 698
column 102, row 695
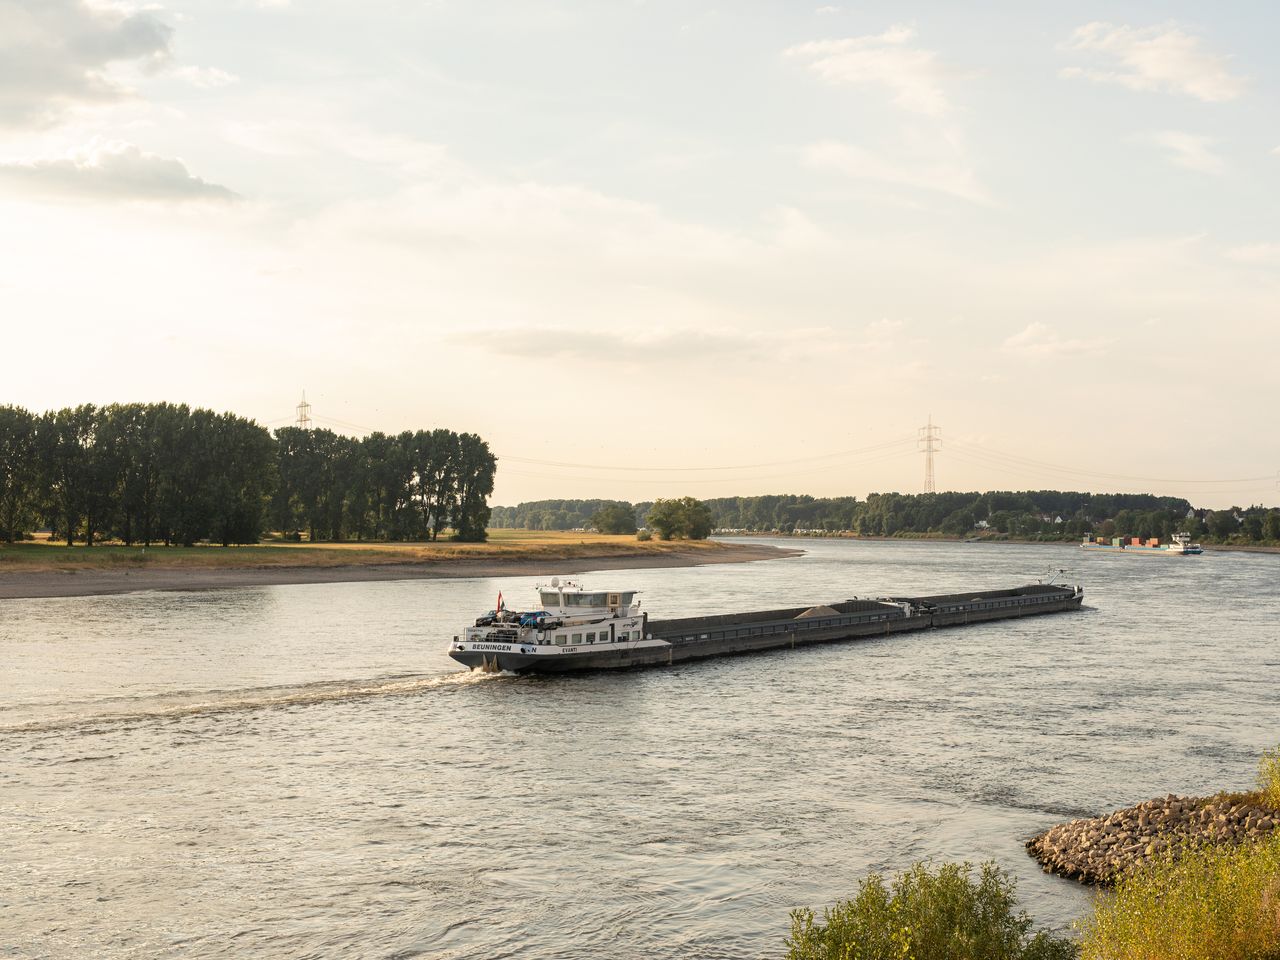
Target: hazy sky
column 765, row 240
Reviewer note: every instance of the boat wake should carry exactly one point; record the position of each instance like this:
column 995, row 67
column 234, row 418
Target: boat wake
column 211, row 702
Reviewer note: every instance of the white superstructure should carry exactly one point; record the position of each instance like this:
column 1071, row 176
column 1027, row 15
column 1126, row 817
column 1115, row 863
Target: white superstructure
column 572, row 620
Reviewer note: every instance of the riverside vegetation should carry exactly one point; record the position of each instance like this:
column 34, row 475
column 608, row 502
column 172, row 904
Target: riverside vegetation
column 926, row 914
column 162, row 472
column 1049, row 515
column 1211, row 891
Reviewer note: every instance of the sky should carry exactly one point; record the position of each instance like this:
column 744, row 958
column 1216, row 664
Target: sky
column 651, row 249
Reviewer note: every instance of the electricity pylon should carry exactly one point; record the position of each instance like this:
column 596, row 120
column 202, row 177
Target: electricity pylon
column 929, row 440
column 304, row 413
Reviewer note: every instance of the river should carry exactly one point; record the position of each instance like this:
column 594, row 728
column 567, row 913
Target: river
column 300, row 771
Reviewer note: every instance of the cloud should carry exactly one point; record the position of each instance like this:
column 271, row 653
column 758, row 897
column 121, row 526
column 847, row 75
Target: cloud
column 930, row 154
column 884, row 331
column 950, row 176
column 1164, row 58
column 1188, row 150
column 913, row 76
column 1040, row 341
column 206, row 78
column 1256, row 253
column 55, row 54
column 824, row 11
column 604, row 347
column 115, row 171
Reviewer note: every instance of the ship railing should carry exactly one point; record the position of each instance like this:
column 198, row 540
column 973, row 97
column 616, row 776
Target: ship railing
column 492, row 635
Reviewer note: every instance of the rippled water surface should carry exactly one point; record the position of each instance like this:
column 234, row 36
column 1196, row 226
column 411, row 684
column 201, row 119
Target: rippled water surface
column 301, row 771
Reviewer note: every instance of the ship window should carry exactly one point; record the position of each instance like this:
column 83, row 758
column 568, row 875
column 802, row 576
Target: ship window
column 577, row 638
column 591, row 638
column 551, row 599
column 584, row 600
column 561, row 638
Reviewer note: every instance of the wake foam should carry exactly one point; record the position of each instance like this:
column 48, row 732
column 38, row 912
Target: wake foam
column 213, row 702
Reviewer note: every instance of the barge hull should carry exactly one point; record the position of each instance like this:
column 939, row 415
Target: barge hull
column 730, row 635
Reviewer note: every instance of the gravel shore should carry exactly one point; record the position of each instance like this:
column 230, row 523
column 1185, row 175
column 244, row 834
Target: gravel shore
column 1098, row 849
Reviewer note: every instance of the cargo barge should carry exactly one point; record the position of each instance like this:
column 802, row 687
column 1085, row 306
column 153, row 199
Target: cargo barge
column 1180, row 547
column 577, row 629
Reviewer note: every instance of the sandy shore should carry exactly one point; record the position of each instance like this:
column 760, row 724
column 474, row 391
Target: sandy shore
column 88, row 583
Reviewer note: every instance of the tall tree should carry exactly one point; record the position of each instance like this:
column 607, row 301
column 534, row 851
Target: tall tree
column 19, row 471
column 63, row 440
column 192, row 469
column 474, row 469
column 247, row 475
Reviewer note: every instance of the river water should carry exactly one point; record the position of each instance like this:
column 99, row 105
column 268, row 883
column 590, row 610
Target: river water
column 300, row 771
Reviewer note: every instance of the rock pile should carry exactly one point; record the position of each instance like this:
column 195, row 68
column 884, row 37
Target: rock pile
column 1098, row 849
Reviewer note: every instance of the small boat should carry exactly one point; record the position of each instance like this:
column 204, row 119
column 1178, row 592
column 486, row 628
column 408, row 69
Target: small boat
column 580, row 629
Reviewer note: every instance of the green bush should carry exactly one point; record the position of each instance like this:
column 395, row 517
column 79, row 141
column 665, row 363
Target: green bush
column 644, row 535
column 1212, row 903
column 926, row 915
column 1269, row 777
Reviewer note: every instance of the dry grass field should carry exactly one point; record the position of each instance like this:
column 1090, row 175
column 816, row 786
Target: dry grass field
column 503, row 545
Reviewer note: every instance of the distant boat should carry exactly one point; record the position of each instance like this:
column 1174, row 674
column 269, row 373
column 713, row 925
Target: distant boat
column 1180, row 547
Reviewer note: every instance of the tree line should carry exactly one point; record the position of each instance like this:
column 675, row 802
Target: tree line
column 684, row 518
column 166, row 473
column 1030, row 514
column 561, row 514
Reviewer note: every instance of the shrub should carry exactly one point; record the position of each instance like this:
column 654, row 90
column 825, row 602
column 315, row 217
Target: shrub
column 644, row 535
column 619, row 518
column 1212, row 903
column 926, row 915
column 1269, row 777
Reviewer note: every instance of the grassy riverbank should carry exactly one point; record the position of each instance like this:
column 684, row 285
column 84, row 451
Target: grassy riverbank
column 503, row 545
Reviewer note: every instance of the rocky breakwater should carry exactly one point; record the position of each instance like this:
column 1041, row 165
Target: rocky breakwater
column 1099, row 849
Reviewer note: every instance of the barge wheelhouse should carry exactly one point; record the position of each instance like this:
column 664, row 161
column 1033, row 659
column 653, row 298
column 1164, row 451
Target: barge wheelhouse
column 574, row 626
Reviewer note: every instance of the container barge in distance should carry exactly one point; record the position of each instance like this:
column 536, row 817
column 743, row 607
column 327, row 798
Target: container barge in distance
column 578, row 629
column 1181, row 546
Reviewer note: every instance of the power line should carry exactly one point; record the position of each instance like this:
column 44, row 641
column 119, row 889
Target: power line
column 741, row 466
column 673, row 480
column 999, row 458
column 345, row 425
